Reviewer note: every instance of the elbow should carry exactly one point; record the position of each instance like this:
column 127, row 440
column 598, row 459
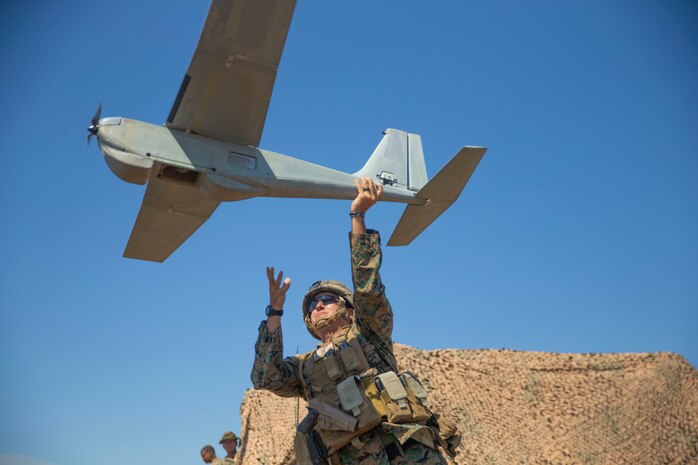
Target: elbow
column 257, row 381
column 262, row 383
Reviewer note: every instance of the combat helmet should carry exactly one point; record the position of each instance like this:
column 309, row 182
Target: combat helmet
column 229, row 436
column 325, row 286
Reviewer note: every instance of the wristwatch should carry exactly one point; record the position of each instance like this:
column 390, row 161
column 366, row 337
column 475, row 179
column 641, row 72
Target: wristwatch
column 271, row 312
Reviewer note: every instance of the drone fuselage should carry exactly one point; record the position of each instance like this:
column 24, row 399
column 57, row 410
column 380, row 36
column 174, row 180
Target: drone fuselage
column 222, row 171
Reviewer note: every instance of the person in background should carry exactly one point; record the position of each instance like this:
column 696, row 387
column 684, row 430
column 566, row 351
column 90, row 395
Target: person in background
column 230, row 443
column 208, row 455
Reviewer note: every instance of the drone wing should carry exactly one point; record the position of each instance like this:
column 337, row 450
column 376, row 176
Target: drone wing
column 172, row 209
column 226, row 91
column 224, row 95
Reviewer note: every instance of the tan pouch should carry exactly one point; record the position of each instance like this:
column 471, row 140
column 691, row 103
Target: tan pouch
column 332, row 418
column 416, row 397
column 375, row 398
column 447, row 434
column 368, row 418
column 394, row 396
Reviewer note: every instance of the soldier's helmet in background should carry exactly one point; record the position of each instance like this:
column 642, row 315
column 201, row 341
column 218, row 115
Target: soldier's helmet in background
column 229, row 436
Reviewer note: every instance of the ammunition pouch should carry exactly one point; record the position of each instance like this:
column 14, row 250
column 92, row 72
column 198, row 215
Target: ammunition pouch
column 346, row 398
column 394, row 397
column 365, row 403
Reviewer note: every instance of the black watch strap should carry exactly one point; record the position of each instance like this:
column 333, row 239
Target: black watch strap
column 271, row 312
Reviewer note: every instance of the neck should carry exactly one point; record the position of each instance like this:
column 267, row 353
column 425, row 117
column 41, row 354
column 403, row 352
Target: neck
column 335, row 329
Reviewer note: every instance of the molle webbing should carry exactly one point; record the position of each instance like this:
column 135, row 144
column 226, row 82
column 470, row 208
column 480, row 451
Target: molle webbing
column 347, row 397
column 322, row 370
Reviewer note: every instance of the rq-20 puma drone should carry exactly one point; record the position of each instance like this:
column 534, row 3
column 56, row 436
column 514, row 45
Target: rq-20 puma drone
column 206, row 152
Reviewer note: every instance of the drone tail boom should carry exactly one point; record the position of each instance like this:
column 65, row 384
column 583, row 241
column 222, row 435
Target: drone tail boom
column 439, row 193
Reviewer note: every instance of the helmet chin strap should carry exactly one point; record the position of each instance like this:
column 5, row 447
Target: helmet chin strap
column 325, row 322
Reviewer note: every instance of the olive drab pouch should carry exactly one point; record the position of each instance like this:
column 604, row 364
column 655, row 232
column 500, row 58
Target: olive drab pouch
column 352, row 356
column 320, row 372
column 330, row 364
column 350, row 396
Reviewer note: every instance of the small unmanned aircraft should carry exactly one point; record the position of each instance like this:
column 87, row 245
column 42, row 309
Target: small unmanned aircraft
column 207, row 151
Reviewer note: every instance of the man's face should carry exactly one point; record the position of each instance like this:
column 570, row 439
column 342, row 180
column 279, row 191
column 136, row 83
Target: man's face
column 207, row 456
column 326, row 305
column 230, row 446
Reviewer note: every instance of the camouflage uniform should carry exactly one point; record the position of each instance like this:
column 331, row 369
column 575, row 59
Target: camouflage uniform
column 228, row 460
column 374, row 324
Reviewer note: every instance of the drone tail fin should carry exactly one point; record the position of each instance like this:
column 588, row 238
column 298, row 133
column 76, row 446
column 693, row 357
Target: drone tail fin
column 398, row 161
column 439, row 193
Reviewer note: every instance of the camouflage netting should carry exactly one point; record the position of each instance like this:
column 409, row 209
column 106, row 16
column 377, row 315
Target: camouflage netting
column 529, row 407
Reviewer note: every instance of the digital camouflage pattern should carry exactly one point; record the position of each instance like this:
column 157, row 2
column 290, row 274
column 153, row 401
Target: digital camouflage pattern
column 419, row 454
column 373, row 324
column 373, row 453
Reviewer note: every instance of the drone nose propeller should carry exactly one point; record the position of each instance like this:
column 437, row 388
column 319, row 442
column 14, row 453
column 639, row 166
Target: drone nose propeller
column 94, row 127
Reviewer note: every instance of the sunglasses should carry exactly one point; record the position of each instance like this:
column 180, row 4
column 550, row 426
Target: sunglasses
column 325, row 299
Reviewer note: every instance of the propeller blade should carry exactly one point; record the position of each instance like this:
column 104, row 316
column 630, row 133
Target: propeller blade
column 98, row 113
column 94, row 127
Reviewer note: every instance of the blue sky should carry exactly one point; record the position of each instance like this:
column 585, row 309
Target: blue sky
column 577, row 233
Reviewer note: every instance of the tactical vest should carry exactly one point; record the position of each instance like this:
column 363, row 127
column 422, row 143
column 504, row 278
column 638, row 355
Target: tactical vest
column 347, row 397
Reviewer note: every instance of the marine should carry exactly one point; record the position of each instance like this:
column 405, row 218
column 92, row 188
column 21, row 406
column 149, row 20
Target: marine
column 230, row 443
column 208, row 455
column 361, row 408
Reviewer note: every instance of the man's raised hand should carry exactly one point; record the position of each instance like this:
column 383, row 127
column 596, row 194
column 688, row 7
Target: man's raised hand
column 367, row 195
column 277, row 288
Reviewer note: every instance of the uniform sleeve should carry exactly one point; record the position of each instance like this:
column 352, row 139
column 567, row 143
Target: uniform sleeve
column 373, row 312
column 271, row 371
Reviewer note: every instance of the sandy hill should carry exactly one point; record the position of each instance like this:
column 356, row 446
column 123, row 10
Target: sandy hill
column 529, row 408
